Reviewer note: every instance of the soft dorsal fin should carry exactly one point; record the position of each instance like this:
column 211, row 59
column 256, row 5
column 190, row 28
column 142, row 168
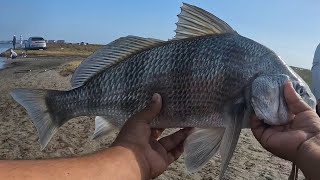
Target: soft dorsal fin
column 194, row 21
column 109, row 55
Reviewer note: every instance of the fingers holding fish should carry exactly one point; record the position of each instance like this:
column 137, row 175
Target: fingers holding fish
column 171, row 147
column 257, row 126
column 151, row 111
column 171, row 141
column 285, row 140
column 175, row 153
column 146, row 115
column 156, row 132
column 294, row 101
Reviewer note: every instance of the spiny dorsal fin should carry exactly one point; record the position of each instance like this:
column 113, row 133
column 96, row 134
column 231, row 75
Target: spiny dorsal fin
column 109, row 55
column 194, row 21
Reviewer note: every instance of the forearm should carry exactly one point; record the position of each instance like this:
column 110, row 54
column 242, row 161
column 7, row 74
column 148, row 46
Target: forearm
column 308, row 159
column 113, row 163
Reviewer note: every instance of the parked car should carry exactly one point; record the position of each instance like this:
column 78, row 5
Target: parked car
column 36, row 43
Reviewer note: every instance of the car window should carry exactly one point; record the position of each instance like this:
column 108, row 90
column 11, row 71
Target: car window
column 37, row 39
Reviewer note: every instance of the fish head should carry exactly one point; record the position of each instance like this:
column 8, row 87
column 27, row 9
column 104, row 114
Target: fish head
column 305, row 93
column 303, row 89
column 268, row 101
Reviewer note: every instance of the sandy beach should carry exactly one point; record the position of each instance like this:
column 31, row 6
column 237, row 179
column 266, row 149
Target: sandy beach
column 19, row 140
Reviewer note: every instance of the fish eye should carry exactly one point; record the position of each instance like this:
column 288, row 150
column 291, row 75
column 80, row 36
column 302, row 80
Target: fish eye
column 301, row 90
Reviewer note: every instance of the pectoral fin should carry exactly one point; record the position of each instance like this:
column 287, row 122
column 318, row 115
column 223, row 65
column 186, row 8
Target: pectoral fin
column 229, row 142
column 202, row 144
column 200, row 147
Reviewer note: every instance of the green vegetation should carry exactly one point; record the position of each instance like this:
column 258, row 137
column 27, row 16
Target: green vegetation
column 58, row 50
column 69, row 68
column 304, row 73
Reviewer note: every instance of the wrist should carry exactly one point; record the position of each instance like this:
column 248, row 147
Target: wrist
column 308, row 157
column 139, row 157
column 117, row 162
column 311, row 147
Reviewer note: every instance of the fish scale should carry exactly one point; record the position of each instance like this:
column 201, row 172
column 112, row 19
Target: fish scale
column 133, row 76
column 209, row 77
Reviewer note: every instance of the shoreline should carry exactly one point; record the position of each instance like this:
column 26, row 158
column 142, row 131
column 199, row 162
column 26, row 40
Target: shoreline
column 57, row 50
column 20, row 61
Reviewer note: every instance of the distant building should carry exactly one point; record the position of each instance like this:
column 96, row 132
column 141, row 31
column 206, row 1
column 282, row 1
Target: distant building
column 61, row 41
column 51, row 41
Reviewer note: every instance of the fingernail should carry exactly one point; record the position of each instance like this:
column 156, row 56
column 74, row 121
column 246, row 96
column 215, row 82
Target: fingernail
column 155, row 97
column 289, row 83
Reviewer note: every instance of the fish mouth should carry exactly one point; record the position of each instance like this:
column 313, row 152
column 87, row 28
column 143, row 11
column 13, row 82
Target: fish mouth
column 312, row 102
column 307, row 96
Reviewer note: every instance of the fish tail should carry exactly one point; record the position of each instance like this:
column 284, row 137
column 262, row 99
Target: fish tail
column 35, row 102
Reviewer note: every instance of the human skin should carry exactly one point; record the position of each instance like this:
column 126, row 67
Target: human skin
column 137, row 153
column 299, row 140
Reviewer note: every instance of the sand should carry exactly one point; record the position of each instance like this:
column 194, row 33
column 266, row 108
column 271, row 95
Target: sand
column 18, row 137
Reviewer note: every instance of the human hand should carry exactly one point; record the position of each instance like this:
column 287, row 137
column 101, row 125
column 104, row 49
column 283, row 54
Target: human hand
column 153, row 155
column 298, row 136
column 318, row 109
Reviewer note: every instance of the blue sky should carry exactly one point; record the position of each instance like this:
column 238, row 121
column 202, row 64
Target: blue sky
column 291, row 28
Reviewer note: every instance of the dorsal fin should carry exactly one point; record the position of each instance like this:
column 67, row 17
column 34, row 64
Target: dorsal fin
column 194, row 21
column 109, row 55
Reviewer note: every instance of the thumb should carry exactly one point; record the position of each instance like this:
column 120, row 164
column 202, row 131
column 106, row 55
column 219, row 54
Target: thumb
column 151, row 111
column 293, row 99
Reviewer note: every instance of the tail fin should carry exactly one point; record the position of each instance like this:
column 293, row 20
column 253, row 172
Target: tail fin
column 34, row 101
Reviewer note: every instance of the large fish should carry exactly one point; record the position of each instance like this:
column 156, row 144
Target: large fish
column 208, row 75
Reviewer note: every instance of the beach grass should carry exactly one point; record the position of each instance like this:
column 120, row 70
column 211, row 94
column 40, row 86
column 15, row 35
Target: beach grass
column 304, row 73
column 58, row 50
column 69, row 68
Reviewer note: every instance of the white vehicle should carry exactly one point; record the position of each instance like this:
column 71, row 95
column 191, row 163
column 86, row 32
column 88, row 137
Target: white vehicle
column 36, row 43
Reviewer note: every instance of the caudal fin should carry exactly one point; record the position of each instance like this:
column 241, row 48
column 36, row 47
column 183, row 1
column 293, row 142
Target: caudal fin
column 34, row 101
